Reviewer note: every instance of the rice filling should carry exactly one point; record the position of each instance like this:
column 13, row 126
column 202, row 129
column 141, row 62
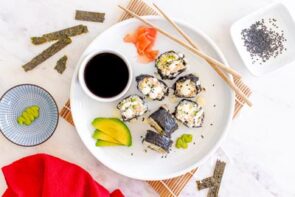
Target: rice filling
column 132, row 107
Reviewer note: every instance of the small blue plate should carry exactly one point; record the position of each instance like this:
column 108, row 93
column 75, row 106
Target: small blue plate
column 13, row 103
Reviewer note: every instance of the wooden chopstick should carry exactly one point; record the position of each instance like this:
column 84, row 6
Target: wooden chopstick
column 192, row 49
column 176, row 26
column 230, row 83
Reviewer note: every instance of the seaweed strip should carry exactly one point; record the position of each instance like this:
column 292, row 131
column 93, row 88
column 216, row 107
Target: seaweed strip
column 213, row 191
column 47, row 53
column 206, row 183
column 68, row 32
column 89, row 16
column 57, row 35
column 61, row 64
column 38, row 40
column 213, row 182
column 218, row 173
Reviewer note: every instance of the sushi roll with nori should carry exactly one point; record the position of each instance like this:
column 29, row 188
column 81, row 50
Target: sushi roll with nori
column 190, row 113
column 187, row 86
column 157, row 142
column 152, row 87
column 132, row 107
column 170, row 64
column 163, row 121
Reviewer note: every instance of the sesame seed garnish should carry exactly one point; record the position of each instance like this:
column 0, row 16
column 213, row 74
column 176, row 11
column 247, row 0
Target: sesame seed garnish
column 263, row 40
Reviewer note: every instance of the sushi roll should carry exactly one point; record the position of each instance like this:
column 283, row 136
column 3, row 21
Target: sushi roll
column 163, row 121
column 187, row 86
column 132, row 107
column 152, row 87
column 189, row 113
column 157, row 142
column 170, row 64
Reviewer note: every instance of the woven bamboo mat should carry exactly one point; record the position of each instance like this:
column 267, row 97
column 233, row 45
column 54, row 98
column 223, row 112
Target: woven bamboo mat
column 170, row 187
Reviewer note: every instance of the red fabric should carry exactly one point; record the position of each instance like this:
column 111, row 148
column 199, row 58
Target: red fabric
column 43, row 175
column 117, row 193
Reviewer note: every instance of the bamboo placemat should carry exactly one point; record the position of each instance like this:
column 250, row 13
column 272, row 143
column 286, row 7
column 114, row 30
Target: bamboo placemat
column 169, row 187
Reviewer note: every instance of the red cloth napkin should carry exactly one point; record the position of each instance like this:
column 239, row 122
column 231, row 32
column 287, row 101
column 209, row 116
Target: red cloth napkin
column 43, row 175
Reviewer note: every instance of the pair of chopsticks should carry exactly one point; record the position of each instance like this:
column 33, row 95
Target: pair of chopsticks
column 219, row 67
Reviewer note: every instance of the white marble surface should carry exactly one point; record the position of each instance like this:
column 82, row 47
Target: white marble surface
column 259, row 149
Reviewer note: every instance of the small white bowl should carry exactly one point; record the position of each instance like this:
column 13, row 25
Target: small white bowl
column 284, row 21
column 83, row 83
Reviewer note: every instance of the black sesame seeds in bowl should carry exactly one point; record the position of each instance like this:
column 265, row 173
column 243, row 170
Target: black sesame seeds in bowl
column 265, row 39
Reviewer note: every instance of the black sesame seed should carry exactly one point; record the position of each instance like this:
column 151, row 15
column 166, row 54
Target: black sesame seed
column 202, row 136
column 263, row 42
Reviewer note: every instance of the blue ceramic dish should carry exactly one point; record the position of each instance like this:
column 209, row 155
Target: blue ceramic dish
column 12, row 104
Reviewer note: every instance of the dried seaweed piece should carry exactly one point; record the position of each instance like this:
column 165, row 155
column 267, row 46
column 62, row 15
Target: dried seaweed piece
column 57, row 35
column 68, row 32
column 206, row 183
column 89, row 16
column 38, row 40
column 47, row 53
column 60, row 66
column 213, row 192
column 214, row 181
column 218, row 173
column 219, row 170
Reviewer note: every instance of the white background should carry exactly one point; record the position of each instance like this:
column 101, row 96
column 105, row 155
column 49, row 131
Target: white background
column 259, row 149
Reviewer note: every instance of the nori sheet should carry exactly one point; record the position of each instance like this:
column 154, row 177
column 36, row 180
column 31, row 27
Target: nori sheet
column 47, row 53
column 60, row 66
column 206, row 183
column 213, row 182
column 57, row 35
column 38, row 40
column 218, row 173
column 90, row 16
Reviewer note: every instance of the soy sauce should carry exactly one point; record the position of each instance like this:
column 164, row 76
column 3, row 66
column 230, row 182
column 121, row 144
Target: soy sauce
column 106, row 75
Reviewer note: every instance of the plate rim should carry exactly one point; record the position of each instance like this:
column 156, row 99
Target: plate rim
column 223, row 134
column 57, row 120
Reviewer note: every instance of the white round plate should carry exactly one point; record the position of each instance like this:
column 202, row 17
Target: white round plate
column 134, row 161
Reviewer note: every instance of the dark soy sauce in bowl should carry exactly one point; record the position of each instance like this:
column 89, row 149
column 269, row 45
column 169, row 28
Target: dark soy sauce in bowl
column 106, row 75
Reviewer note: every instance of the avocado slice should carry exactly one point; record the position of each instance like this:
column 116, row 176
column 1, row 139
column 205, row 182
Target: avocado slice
column 99, row 135
column 105, row 143
column 114, row 128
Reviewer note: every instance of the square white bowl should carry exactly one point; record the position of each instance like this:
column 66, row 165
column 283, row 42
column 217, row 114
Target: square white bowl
column 284, row 21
